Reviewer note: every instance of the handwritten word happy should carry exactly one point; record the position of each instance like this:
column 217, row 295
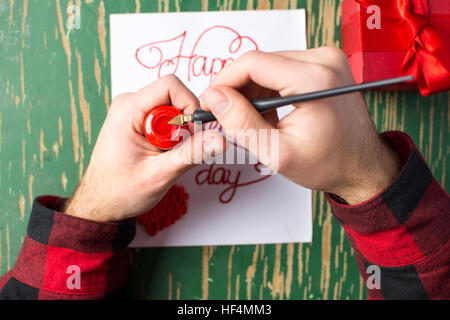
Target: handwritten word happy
column 168, row 56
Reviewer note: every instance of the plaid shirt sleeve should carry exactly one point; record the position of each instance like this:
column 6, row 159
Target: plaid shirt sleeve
column 64, row 257
column 401, row 236
column 403, row 232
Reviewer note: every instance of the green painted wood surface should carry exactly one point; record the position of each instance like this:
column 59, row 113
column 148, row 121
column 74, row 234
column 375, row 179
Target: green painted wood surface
column 54, row 94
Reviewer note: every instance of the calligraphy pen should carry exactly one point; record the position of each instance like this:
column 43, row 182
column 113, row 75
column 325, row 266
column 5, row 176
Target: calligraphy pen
column 268, row 104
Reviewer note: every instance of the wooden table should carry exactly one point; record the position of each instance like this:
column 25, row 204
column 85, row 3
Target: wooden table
column 55, row 92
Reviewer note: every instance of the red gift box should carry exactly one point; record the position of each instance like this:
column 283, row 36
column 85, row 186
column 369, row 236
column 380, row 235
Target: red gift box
column 390, row 38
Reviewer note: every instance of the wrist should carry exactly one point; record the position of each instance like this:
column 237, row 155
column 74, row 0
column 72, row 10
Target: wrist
column 376, row 171
column 83, row 203
column 79, row 205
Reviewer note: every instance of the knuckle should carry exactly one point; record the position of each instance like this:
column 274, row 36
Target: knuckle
column 328, row 76
column 170, row 79
column 121, row 101
column 334, row 55
column 249, row 55
column 337, row 59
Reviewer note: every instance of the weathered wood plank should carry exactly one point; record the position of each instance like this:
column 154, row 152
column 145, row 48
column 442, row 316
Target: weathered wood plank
column 55, row 92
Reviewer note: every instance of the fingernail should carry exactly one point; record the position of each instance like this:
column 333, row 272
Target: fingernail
column 215, row 100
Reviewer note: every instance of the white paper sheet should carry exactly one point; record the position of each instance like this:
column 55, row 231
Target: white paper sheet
column 194, row 46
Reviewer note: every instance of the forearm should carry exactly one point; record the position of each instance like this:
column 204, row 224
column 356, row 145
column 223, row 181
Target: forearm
column 404, row 231
column 65, row 257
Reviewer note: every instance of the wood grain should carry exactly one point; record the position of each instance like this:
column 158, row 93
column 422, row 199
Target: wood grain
column 55, row 92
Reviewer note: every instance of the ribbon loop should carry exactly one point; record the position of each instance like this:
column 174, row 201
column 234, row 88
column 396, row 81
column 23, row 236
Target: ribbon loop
column 428, row 55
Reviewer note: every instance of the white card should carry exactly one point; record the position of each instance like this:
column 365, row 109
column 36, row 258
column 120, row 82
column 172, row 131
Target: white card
column 228, row 204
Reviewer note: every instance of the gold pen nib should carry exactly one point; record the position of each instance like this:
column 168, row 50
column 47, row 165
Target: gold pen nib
column 180, row 120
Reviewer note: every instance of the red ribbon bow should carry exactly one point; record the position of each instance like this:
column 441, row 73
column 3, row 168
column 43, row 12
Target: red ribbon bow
column 428, row 56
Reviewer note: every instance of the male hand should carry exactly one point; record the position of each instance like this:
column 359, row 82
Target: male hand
column 126, row 175
column 329, row 144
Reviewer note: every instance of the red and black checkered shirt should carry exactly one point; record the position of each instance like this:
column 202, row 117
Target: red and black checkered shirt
column 57, row 246
column 400, row 238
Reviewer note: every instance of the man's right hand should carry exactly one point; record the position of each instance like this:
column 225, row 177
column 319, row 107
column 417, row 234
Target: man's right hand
column 329, row 144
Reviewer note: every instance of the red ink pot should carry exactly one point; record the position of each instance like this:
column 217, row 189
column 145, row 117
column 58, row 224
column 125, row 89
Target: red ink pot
column 161, row 134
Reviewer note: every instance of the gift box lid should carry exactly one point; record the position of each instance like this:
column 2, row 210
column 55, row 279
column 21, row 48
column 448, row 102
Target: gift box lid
column 378, row 49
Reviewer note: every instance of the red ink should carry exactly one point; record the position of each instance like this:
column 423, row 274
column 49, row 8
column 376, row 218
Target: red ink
column 197, row 65
column 158, row 132
column 168, row 210
column 221, row 176
column 214, row 125
column 161, row 126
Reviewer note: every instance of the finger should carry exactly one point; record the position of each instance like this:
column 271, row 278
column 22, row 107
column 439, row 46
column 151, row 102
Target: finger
column 278, row 72
column 168, row 90
column 198, row 148
column 330, row 57
column 238, row 117
column 321, row 55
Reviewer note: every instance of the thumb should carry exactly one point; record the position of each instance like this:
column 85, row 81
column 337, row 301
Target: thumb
column 201, row 147
column 238, row 117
